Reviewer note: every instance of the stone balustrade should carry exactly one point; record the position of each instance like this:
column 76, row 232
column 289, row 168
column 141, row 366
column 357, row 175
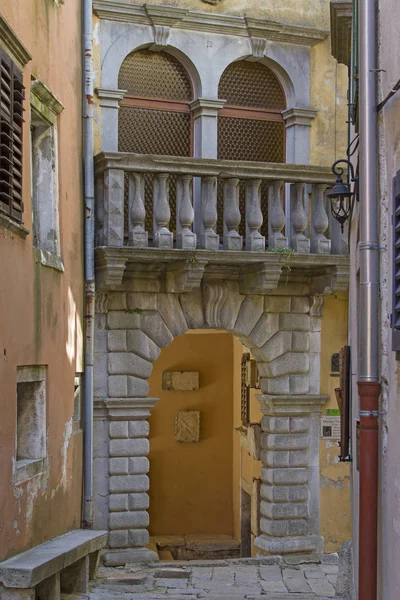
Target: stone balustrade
column 249, row 200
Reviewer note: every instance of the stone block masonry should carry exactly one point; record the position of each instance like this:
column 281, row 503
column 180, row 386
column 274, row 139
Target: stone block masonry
column 283, row 333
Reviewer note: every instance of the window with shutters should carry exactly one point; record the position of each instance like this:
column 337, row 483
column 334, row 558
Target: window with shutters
column 12, row 94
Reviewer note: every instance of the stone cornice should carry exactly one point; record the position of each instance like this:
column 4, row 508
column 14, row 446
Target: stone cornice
column 46, row 96
column 116, row 10
column 341, row 24
column 13, row 45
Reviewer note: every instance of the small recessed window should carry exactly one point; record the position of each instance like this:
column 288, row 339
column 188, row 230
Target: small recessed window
column 31, row 419
column 44, row 185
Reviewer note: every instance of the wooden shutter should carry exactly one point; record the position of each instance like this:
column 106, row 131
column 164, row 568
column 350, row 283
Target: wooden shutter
column 343, row 397
column 11, row 119
column 396, row 265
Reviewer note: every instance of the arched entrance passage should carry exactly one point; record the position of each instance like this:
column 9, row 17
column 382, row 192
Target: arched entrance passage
column 283, row 333
column 194, row 448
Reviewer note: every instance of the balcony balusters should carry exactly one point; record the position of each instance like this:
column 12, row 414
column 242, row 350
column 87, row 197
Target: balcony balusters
column 209, row 239
column 113, row 170
column 163, row 237
column 300, row 243
column 276, row 216
column 255, row 242
column 319, row 243
column 137, row 236
column 185, row 238
column 232, row 239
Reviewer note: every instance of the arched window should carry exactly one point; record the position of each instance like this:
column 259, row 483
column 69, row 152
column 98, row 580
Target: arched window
column 154, row 115
column 250, row 126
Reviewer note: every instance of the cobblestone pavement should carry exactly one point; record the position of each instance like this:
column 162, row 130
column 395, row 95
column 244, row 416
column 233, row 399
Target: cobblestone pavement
column 219, row 580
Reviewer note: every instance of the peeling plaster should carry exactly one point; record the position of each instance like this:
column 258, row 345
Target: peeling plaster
column 64, row 453
column 335, row 483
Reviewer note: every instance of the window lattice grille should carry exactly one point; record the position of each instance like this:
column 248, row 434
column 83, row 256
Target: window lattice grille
column 154, row 75
column 250, row 139
column 253, row 85
column 245, row 392
column 11, row 118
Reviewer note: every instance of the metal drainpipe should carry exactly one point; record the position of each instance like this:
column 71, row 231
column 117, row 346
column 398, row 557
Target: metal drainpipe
column 368, row 384
column 89, row 259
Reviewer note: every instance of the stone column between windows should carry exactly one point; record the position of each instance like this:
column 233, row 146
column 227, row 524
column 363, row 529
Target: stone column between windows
column 109, row 102
column 205, row 125
column 298, row 126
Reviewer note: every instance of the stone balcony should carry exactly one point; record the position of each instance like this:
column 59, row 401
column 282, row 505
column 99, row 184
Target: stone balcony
column 260, row 224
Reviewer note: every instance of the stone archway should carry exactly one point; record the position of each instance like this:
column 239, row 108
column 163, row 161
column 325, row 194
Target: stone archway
column 283, row 332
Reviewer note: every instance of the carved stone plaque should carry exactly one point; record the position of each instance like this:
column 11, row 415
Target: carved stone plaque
column 187, row 426
column 180, row 381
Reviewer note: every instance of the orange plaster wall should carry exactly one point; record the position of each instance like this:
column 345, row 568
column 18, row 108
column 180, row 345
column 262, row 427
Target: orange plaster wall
column 191, row 484
column 41, row 309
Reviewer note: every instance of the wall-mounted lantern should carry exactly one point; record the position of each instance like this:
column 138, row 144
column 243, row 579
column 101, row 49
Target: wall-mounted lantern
column 341, row 196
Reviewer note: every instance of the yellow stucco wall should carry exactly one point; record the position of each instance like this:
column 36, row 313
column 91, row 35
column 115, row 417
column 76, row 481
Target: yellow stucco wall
column 41, row 308
column 191, row 484
column 335, row 476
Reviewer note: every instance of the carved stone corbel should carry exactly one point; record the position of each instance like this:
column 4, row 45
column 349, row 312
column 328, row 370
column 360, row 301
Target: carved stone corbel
column 336, row 280
column 110, row 272
column 258, row 47
column 260, row 278
column 184, row 276
column 163, row 19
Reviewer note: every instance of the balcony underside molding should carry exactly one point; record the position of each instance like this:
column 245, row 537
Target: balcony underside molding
column 178, row 18
column 181, row 271
column 341, row 24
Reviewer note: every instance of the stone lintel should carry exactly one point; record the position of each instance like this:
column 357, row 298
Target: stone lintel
column 123, row 409
column 287, row 405
column 290, row 545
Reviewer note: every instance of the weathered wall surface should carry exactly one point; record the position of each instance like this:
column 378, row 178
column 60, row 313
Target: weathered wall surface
column 310, row 13
column 389, row 164
column 335, row 476
column 41, row 308
column 191, row 483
